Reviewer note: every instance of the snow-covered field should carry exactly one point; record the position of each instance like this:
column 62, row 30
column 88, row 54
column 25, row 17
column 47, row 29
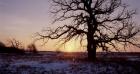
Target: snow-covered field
column 60, row 63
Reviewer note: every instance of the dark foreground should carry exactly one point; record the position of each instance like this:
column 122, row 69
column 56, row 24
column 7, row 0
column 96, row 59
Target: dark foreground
column 69, row 63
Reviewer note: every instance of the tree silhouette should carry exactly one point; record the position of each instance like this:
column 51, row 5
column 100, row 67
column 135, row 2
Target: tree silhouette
column 32, row 48
column 104, row 24
column 15, row 43
column 2, row 44
column 15, row 47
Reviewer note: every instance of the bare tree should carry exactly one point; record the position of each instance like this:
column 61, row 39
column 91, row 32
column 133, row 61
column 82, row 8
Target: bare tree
column 103, row 23
column 32, row 48
column 15, row 43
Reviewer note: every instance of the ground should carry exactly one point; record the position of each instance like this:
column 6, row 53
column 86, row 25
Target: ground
column 67, row 63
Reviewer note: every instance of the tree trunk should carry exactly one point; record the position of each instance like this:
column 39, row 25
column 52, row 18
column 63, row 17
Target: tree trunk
column 92, row 55
column 91, row 48
column 91, row 45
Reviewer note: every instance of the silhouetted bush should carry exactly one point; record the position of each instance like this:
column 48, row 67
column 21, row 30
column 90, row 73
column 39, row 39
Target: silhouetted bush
column 10, row 50
column 32, row 48
column 2, row 44
column 4, row 49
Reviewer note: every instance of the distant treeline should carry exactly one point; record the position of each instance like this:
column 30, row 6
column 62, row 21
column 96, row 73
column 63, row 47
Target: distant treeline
column 11, row 50
column 16, row 47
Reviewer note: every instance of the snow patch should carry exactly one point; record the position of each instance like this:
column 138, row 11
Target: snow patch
column 46, row 66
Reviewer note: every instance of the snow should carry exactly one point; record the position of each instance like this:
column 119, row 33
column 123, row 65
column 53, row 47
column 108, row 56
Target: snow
column 55, row 66
column 46, row 66
column 42, row 64
column 134, row 59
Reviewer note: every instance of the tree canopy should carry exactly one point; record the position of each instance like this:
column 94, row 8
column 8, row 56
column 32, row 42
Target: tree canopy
column 104, row 24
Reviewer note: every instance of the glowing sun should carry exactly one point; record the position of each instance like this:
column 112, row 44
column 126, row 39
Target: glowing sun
column 70, row 46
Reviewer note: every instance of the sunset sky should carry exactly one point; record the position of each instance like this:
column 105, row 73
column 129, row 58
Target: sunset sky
column 20, row 19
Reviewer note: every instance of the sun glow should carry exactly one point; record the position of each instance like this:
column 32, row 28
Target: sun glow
column 70, row 46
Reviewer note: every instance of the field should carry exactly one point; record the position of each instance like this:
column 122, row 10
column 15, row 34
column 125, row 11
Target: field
column 69, row 63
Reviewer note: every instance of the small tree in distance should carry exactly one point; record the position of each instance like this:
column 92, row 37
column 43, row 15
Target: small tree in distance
column 32, row 48
column 103, row 23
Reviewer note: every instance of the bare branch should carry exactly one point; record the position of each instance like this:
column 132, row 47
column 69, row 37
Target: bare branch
column 104, row 23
